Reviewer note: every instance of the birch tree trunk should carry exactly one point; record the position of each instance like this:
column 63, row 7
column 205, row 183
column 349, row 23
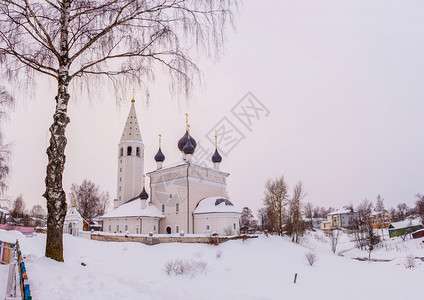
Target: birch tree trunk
column 55, row 196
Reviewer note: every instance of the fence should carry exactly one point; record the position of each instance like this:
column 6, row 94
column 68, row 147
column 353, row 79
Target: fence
column 11, row 254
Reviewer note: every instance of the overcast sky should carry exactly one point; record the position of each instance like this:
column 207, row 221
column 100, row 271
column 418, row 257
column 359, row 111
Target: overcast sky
column 340, row 85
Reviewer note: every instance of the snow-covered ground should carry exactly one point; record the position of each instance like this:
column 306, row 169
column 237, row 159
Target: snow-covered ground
column 262, row 268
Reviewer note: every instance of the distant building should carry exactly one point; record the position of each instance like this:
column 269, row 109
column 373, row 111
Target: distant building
column 339, row 219
column 407, row 226
column 380, row 220
column 74, row 224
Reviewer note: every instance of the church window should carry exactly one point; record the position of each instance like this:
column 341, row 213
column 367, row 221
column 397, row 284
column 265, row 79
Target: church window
column 177, row 207
column 163, row 207
column 120, row 169
column 120, row 179
column 234, row 225
column 137, row 152
column 208, row 227
column 119, row 188
column 129, row 150
column 110, row 228
column 177, row 229
column 126, row 227
column 154, row 227
column 122, row 151
column 117, row 227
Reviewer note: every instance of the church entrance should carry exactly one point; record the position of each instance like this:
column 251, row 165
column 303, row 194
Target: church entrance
column 168, row 230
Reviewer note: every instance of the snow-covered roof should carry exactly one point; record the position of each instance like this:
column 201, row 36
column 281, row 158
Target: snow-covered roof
column 5, row 212
column 183, row 162
column 340, row 212
column 404, row 224
column 73, row 215
column 215, row 205
column 133, row 209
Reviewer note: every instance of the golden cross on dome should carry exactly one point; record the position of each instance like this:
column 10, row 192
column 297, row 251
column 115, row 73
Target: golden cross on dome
column 133, row 100
column 160, row 139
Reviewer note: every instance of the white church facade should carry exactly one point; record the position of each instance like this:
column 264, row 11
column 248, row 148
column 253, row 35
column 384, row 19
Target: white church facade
column 186, row 196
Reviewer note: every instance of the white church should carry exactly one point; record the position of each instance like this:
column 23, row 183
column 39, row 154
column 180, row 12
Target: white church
column 186, row 196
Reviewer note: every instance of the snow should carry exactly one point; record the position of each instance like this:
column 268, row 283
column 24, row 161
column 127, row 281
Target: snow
column 208, row 205
column 133, row 209
column 261, row 268
column 339, row 212
column 4, row 269
column 404, row 224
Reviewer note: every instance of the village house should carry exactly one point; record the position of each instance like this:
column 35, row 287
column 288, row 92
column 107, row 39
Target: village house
column 404, row 227
column 338, row 219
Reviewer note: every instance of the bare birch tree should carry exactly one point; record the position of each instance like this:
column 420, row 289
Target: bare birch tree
column 276, row 198
column 121, row 40
column 296, row 212
column 6, row 102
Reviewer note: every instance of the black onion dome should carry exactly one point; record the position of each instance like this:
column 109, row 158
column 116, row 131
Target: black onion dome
column 143, row 195
column 183, row 141
column 159, row 157
column 216, row 158
column 188, row 148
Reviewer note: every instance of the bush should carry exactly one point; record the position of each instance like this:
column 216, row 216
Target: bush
column 311, row 257
column 186, row 267
column 410, row 262
column 228, row 231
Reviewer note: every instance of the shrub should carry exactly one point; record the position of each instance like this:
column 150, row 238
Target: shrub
column 410, row 262
column 311, row 257
column 228, row 231
column 188, row 267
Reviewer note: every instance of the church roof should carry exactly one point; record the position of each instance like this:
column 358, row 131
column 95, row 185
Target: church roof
column 132, row 127
column 216, row 157
column 193, row 162
column 215, row 205
column 133, row 209
column 183, row 141
column 73, row 215
column 159, row 157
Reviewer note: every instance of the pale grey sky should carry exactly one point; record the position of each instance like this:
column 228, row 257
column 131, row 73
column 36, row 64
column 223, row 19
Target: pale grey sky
column 342, row 81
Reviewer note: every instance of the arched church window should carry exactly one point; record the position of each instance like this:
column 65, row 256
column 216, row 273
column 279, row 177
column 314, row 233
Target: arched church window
column 110, row 228
column 177, row 229
column 177, row 207
column 208, row 227
column 129, row 150
column 122, row 152
column 163, row 207
column 137, row 152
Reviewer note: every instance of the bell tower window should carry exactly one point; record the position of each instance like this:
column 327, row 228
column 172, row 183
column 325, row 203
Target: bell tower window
column 129, row 151
column 137, row 152
column 122, row 152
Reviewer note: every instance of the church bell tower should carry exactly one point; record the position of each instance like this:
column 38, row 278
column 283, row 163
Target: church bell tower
column 130, row 160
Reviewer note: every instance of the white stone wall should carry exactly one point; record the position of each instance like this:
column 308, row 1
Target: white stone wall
column 221, row 223
column 118, row 225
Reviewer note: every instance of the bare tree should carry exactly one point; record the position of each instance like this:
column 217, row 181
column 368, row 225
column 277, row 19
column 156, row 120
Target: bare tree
column 276, row 197
column 309, row 213
column 120, row 40
column 334, row 239
column 419, row 206
column 296, row 212
column 18, row 207
column 379, row 208
column 88, row 200
column 311, row 257
column 37, row 211
column 360, row 222
column 246, row 217
column 6, row 101
column 372, row 239
column 262, row 216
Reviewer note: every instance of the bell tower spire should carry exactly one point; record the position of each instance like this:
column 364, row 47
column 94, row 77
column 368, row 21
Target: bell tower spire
column 130, row 159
